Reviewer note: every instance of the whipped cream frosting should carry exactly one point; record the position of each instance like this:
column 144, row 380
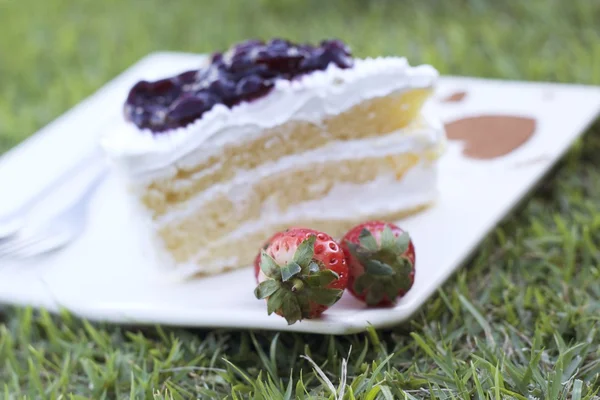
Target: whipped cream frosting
column 310, row 98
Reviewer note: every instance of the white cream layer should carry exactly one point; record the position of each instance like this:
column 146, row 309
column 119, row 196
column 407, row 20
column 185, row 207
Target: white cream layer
column 311, row 98
column 385, row 195
column 421, row 136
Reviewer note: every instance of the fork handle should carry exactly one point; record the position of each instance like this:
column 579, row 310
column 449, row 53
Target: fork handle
column 86, row 162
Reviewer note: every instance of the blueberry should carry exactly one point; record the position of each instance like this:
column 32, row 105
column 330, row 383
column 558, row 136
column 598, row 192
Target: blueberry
column 164, row 91
column 163, row 87
column 216, row 58
column 223, row 89
column 278, row 44
column 139, row 116
column 204, row 78
column 252, row 86
column 321, row 58
column 262, row 54
column 139, row 92
column 187, row 77
column 247, row 45
column 248, row 84
column 335, row 44
column 316, row 61
column 306, row 48
column 250, row 69
column 241, row 62
column 283, row 61
column 187, row 109
column 338, row 57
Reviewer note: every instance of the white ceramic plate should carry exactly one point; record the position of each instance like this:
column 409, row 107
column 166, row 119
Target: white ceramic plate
column 105, row 276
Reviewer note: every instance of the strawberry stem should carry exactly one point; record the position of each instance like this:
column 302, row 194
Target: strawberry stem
column 297, row 285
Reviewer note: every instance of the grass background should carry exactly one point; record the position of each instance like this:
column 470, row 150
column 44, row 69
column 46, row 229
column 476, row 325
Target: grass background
column 519, row 321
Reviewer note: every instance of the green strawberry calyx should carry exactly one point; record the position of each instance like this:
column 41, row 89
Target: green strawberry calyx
column 387, row 269
column 291, row 288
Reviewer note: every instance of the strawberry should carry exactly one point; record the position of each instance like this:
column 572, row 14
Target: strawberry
column 381, row 261
column 264, row 247
column 302, row 272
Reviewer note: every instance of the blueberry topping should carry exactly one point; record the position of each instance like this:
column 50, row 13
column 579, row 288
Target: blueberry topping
column 245, row 72
column 189, row 108
column 223, row 89
column 251, row 87
column 186, row 77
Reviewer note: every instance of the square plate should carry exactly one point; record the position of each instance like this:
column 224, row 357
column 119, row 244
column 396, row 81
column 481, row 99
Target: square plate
column 105, row 275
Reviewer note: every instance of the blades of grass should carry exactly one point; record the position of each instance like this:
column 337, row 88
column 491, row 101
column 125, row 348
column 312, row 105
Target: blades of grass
column 132, row 385
column 448, row 369
column 96, row 336
column 267, row 362
column 577, row 387
column 24, row 328
column 571, row 357
column 441, row 380
column 533, row 366
column 497, row 384
column 555, row 384
column 359, row 381
column 265, row 390
column 461, row 387
column 34, row 378
column 319, row 372
column 477, row 383
column 372, row 394
column 290, row 387
column 447, row 302
column 241, row 373
column 386, row 392
column 273, row 355
column 560, row 343
column 175, row 392
column 350, row 394
column 7, row 350
column 375, row 341
column 276, row 388
column 344, row 375
column 480, row 320
column 375, row 374
column 363, row 354
column 332, row 354
column 408, row 396
column 592, row 394
column 515, row 375
column 91, row 370
column 513, row 395
column 301, row 391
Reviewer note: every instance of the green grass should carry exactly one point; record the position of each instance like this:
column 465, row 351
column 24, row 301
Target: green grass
column 520, row 321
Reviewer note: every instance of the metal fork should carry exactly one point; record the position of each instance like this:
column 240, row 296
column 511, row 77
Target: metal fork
column 12, row 223
column 59, row 231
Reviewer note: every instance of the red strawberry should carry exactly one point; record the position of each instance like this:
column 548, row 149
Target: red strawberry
column 381, row 259
column 302, row 273
column 265, row 246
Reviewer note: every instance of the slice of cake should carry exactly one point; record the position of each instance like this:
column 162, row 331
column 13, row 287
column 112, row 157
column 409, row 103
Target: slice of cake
column 271, row 135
